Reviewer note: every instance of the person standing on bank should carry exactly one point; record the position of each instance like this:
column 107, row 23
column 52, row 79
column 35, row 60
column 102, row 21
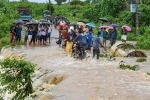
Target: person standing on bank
column 124, row 35
column 113, row 36
column 96, row 45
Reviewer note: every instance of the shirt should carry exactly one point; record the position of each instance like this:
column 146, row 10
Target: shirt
column 96, row 42
column 19, row 29
column 26, row 31
column 114, row 35
column 101, row 33
column 89, row 37
column 81, row 39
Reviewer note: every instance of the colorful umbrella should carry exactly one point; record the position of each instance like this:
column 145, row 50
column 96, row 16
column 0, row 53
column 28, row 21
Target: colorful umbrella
column 104, row 26
column 127, row 28
column 81, row 24
column 90, row 24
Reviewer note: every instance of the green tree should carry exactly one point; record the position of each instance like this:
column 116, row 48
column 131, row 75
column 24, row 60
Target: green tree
column 59, row 2
column 145, row 2
column 23, row 0
column 15, row 76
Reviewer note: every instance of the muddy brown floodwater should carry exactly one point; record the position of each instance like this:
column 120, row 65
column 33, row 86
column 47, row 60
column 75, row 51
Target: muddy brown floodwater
column 90, row 79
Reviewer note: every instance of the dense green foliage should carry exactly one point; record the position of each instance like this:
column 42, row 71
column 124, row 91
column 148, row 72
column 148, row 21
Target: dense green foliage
column 117, row 11
column 15, row 76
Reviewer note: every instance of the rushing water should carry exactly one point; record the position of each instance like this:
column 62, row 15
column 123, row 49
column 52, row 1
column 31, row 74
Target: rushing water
column 89, row 79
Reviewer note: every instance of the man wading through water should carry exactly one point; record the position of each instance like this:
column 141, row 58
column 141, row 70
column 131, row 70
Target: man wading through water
column 96, row 45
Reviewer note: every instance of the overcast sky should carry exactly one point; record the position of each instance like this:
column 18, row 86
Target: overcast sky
column 39, row 1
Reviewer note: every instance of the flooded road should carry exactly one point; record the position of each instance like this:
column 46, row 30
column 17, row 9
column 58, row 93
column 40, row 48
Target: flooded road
column 90, row 79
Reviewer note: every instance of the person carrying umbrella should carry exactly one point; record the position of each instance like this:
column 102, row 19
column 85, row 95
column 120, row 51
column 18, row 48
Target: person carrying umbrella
column 113, row 36
column 124, row 34
column 19, row 30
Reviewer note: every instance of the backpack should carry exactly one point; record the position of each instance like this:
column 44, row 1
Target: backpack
column 99, row 32
column 70, row 37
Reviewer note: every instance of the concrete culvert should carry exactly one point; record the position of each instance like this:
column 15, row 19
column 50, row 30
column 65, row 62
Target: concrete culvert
column 125, row 50
column 135, row 53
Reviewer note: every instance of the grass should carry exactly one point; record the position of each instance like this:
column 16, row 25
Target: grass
column 148, row 73
column 141, row 59
column 123, row 66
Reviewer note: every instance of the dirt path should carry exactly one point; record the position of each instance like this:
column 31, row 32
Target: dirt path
column 89, row 79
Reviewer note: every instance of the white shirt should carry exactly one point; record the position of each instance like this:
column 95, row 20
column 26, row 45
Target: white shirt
column 39, row 31
column 43, row 32
column 62, row 22
column 49, row 30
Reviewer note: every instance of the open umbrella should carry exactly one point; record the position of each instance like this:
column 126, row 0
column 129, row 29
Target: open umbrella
column 19, row 21
column 46, row 11
column 105, row 27
column 81, row 24
column 43, row 20
column 114, row 25
column 90, row 24
column 73, row 24
column 128, row 28
column 103, row 19
column 66, row 20
column 82, row 21
column 47, row 23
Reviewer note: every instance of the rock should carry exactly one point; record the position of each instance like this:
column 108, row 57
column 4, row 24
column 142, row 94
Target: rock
column 46, row 86
column 45, row 96
column 55, row 80
column 34, row 94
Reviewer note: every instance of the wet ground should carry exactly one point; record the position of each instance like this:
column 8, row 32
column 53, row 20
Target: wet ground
column 90, row 79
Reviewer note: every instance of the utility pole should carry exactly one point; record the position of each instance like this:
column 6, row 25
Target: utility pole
column 49, row 5
column 137, row 19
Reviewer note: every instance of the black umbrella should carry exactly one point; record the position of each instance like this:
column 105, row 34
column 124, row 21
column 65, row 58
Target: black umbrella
column 46, row 11
column 103, row 19
column 73, row 24
column 19, row 21
column 47, row 23
column 66, row 20
column 59, row 17
column 31, row 22
column 43, row 20
column 114, row 25
column 49, row 17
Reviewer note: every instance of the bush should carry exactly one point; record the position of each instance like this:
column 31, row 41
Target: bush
column 143, row 43
column 15, row 76
column 123, row 66
column 141, row 59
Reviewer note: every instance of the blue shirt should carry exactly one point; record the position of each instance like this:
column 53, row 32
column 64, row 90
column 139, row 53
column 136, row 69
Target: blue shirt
column 114, row 35
column 19, row 30
column 81, row 39
column 89, row 37
column 104, row 35
column 101, row 33
column 96, row 42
